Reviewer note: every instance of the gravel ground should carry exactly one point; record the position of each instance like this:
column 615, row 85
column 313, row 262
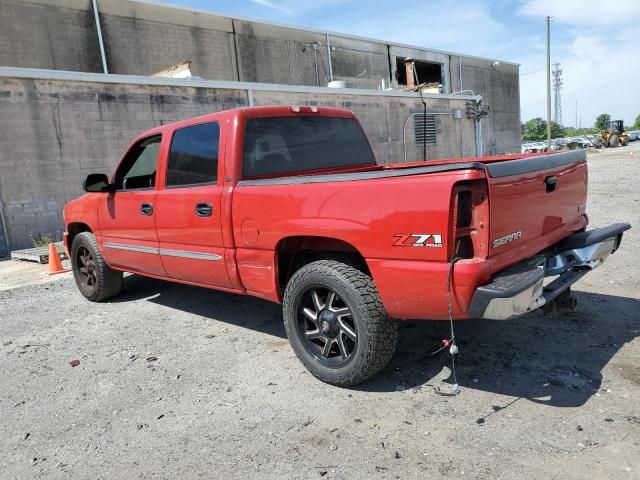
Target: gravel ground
column 181, row 382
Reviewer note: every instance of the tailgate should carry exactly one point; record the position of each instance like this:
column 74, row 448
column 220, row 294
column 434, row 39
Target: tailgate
column 535, row 202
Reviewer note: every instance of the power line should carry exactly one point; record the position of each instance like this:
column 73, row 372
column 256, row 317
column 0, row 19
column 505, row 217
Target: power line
column 532, row 71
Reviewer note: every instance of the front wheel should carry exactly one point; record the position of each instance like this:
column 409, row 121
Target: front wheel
column 336, row 323
column 94, row 278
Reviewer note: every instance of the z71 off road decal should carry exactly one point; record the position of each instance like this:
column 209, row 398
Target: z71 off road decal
column 498, row 242
column 418, row 240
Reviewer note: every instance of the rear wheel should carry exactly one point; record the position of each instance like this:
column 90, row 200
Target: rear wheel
column 94, row 278
column 336, row 323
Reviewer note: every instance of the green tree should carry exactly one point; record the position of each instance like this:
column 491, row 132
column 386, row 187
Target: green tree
column 576, row 132
column 602, row 120
column 557, row 130
column 536, row 129
column 636, row 124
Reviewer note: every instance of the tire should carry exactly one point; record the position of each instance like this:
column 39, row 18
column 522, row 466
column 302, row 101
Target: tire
column 625, row 141
column 94, row 278
column 614, row 141
column 349, row 317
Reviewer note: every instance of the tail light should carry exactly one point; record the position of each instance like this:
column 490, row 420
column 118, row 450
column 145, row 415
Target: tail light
column 303, row 109
column 469, row 228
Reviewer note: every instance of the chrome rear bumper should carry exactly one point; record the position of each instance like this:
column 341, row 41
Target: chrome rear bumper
column 520, row 288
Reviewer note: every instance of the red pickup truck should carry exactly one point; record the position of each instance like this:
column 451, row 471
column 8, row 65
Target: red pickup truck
column 288, row 204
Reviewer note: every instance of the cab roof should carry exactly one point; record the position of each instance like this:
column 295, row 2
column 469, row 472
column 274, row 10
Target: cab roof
column 252, row 112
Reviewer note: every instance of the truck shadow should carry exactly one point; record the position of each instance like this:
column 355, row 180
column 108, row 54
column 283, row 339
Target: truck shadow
column 244, row 311
column 554, row 359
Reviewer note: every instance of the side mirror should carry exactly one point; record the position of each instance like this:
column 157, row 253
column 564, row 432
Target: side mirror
column 97, row 182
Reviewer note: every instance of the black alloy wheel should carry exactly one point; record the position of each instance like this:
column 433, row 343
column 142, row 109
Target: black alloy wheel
column 94, row 278
column 336, row 322
column 326, row 324
column 86, row 264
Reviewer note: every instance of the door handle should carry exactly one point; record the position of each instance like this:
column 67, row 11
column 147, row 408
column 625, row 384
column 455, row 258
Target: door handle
column 203, row 209
column 146, row 209
column 550, row 183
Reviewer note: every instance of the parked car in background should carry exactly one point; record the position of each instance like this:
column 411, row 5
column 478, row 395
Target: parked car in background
column 534, row 147
column 578, row 142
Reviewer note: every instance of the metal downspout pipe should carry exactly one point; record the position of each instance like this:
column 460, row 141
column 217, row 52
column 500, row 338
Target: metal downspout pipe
column 478, row 135
column 329, row 58
column 99, row 31
column 478, row 125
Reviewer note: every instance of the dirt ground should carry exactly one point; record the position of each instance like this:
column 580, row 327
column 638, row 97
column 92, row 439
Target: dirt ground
column 181, row 382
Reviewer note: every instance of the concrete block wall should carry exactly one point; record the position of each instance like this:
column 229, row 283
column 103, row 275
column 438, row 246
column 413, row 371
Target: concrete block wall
column 160, row 45
column 361, row 64
column 142, row 39
column 55, row 132
column 273, row 54
column 267, row 55
column 44, row 34
column 499, row 87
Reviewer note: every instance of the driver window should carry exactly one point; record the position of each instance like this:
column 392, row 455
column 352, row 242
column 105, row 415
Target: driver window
column 138, row 169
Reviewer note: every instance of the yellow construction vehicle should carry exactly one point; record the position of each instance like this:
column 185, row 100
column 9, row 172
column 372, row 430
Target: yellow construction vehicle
column 614, row 135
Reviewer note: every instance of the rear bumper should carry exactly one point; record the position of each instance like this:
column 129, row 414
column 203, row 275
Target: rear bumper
column 520, row 288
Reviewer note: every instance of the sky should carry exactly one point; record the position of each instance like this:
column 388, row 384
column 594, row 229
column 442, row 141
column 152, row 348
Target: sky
column 596, row 43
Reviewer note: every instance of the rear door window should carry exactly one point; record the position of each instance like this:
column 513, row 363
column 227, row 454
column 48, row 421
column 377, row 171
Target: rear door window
column 282, row 145
column 193, row 156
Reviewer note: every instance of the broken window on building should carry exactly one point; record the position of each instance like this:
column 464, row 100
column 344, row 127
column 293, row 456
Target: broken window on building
column 426, row 72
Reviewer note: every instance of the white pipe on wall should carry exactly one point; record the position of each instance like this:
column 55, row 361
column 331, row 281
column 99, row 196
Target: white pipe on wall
column 99, row 30
column 329, row 58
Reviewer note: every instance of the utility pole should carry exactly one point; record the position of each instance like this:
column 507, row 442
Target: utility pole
column 549, row 83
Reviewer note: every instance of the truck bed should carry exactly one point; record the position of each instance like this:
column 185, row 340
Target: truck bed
column 373, row 207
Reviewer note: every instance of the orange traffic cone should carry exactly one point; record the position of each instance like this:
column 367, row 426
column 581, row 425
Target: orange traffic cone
column 55, row 265
column 631, row 155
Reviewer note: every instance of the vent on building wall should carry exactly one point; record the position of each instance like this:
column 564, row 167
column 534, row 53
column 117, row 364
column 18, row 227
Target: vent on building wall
column 424, row 126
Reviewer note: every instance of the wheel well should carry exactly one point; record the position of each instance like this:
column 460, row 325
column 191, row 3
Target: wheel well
column 74, row 229
column 292, row 253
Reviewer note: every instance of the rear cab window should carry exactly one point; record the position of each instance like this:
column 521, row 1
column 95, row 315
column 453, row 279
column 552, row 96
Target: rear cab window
column 193, row 156
column 276, row 146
